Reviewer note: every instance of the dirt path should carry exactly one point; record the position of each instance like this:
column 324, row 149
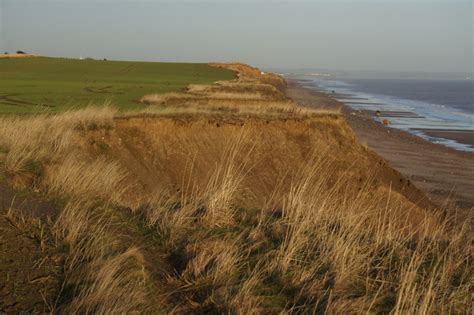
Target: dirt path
column 29, row 275
column 446, row 175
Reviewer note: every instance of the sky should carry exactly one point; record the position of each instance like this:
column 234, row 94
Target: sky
column 382, row 35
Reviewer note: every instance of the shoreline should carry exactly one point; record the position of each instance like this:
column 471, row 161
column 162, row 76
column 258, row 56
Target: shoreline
column 446, row 175
column 456, row 132
column 465, row 137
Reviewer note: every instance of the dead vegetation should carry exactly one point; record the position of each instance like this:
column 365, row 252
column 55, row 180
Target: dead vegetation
column 191, row 213
column 17, row 55
column 252, row 93
column 366, row 251
column 42, row 138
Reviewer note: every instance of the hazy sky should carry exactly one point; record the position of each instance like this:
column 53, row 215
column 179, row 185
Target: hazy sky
column 416, row 35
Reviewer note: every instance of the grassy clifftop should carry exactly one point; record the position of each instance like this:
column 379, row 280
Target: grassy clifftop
column 225, row 198
column 42, row 85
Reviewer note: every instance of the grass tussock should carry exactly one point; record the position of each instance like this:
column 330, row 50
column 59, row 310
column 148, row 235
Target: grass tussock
column 87, row 179
column 102, row 275
column 225, row 182
column 43, row 138
column 114, row 285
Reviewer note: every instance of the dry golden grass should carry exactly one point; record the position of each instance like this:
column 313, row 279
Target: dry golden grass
column 16, row 56
column 115, row 285
column 327, row 247
column 106, row 277
column 177, row 104
column 224, row 183
column 83, row 227
column 328, row 250
column 334, row 261
column 42, row 138
column 89, row 179
column 160, row 99
column 237, row 90
column 242, row 97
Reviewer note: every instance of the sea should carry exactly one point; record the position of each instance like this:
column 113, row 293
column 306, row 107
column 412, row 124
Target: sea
column 411, row 104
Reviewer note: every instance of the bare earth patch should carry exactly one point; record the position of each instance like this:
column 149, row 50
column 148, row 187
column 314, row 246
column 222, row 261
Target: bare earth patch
column 30, row 275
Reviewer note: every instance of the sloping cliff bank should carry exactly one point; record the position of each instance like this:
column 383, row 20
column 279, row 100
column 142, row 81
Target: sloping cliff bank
column 165, row 153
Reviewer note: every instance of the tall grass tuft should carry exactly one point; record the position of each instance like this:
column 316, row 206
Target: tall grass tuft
column 88, row 179
column 115, row 285
column 104, row 276
column 42, row 138
column 226, row 180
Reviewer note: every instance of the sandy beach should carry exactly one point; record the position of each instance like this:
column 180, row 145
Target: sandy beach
column 446, row 175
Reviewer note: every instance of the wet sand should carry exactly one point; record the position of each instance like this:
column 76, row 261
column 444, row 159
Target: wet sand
column 446, row 175
column 461, row 136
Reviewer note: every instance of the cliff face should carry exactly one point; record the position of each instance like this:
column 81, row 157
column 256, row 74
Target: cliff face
column 165, row 153
column 249, row 73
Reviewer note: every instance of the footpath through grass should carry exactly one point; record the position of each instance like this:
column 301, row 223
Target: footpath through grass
column 40, row 84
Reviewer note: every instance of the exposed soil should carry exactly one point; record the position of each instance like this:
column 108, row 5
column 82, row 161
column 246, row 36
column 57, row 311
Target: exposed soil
column 30, row 275
column 446, row 175
column 161, row 153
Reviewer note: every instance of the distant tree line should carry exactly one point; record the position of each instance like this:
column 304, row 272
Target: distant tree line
column 19, row 52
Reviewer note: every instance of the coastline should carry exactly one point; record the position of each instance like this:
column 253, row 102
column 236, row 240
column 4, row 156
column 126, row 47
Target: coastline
column 415, row 107
column 444, row 174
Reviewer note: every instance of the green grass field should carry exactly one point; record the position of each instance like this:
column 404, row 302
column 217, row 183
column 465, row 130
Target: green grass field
column 40, row 84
